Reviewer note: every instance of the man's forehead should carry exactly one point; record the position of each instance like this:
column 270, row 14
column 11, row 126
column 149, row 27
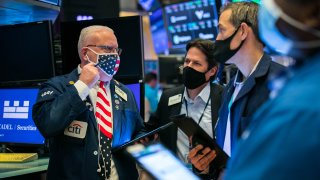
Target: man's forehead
column 224, row 19
column 103, row 37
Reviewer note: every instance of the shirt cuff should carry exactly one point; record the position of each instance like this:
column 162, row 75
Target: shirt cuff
column 82, row 88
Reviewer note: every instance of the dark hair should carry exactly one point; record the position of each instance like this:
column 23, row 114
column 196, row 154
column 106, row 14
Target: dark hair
column 246, row 12
column 206, row 47
column 150, row 76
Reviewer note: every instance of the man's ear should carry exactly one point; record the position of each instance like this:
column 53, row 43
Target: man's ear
column 83, row 54
column 244, row 30
column 213, row 71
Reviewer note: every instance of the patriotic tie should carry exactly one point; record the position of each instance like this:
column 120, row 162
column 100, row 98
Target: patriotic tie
column 103, row 115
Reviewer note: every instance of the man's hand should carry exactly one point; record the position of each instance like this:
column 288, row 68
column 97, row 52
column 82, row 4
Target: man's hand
column 201, row 157
column 146, row 139
column 89, row 75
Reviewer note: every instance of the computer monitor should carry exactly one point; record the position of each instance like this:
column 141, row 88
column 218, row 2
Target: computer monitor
column 255, row 1
column 149, row 5
column 27, row 54
column 169, row 69
column 151, row 66
column 136, row 90
column 158, row 31
column 129, row 35
column 16, row 123
column 190, row 20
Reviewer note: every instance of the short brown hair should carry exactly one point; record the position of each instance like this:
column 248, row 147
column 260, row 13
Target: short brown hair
column 206, row 47
column 246, row 12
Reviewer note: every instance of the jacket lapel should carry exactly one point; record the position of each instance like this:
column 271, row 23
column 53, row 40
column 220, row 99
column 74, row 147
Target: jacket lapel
column 261, row 70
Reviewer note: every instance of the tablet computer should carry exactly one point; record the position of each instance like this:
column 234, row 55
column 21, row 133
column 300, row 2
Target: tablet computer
column 199, row 136
column 148, row 134
column 159, row 162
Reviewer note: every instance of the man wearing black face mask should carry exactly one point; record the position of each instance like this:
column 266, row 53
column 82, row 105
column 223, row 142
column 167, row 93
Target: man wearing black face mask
column 238, row 43
column 283, row 141
column 199, row 98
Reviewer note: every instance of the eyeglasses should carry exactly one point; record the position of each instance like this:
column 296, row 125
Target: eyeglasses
column 108, row 49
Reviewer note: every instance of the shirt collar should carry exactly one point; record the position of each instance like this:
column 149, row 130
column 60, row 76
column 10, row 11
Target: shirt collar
column 79, row 69
column 204, row 94
column 240, row 77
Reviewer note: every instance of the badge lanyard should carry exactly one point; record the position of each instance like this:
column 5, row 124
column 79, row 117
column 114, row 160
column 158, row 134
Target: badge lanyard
column 185, row 102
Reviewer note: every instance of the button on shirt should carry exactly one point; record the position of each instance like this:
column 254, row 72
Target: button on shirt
column 84, row 91
column 195, row 110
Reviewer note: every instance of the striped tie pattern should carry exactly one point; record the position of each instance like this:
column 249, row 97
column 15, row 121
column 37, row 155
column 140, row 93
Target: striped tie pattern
column 103, row 115
column 103, row 112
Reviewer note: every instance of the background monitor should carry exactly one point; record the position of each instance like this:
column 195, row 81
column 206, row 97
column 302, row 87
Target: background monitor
column 255, row 1
column 169, row 69
column 191, row 20
column 27, row 54
column 158, row 31
column 129, row 35
column 16, row 123
column 137, row 90
column 149, row 5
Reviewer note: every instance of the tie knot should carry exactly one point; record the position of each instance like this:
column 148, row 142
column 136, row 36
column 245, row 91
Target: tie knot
column 101, row 84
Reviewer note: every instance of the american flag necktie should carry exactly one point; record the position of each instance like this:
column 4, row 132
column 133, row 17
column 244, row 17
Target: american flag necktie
column 104, row 119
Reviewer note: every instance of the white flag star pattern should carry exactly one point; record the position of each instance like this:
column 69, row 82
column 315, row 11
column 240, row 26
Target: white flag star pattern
column 109, row 63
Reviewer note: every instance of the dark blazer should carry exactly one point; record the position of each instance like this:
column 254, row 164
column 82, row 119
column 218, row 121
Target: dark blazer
column 58, row 105
column 169, row 136
column 252, row 95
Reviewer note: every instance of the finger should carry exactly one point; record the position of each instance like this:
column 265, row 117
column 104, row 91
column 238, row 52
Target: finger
column 211, row 156
column 146, row 139
column 90, row 64
column 190, row 139
column 205, row 151
column 156, row 136
column 195, row 150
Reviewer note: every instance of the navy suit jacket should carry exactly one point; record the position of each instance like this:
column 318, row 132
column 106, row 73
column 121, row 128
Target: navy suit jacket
column 252, row 95
column 58, row 105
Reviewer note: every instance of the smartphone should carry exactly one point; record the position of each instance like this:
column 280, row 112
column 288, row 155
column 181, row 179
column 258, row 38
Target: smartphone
column 159, row 162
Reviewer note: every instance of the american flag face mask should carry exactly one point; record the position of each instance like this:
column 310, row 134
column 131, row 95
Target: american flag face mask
column 107, row 62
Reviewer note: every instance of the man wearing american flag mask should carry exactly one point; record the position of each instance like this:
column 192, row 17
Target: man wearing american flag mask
column 86, row 113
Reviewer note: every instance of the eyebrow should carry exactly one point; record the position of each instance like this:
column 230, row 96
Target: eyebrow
column 194, row 60
column 220, row 25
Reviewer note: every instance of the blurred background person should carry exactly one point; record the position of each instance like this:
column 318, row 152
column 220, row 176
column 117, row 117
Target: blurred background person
column 151, row 94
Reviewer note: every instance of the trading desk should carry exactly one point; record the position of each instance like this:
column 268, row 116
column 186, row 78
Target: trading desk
column 25, row 168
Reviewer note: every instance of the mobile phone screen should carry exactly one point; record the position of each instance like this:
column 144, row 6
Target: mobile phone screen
column 160, row 162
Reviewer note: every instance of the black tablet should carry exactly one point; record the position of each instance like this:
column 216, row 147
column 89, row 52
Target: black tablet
column 199, row 136
column 148, row 134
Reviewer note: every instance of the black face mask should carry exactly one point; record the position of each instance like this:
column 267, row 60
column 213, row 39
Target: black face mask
column 192, row 78
column 222, row 52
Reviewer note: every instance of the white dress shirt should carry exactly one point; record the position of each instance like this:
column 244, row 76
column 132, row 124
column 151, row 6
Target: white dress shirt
column 195, row 110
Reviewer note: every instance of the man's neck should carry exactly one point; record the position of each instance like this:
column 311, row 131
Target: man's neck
column 247, row 61
column 193, row 93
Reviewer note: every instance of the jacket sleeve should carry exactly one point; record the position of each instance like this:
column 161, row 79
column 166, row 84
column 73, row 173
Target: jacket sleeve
column 56, row 107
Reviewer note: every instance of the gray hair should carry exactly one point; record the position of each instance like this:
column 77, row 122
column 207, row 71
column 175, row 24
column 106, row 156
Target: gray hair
column 246, row 12
column 87, row 32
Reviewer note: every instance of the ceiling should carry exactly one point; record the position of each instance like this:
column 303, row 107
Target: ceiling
column 22, row 11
